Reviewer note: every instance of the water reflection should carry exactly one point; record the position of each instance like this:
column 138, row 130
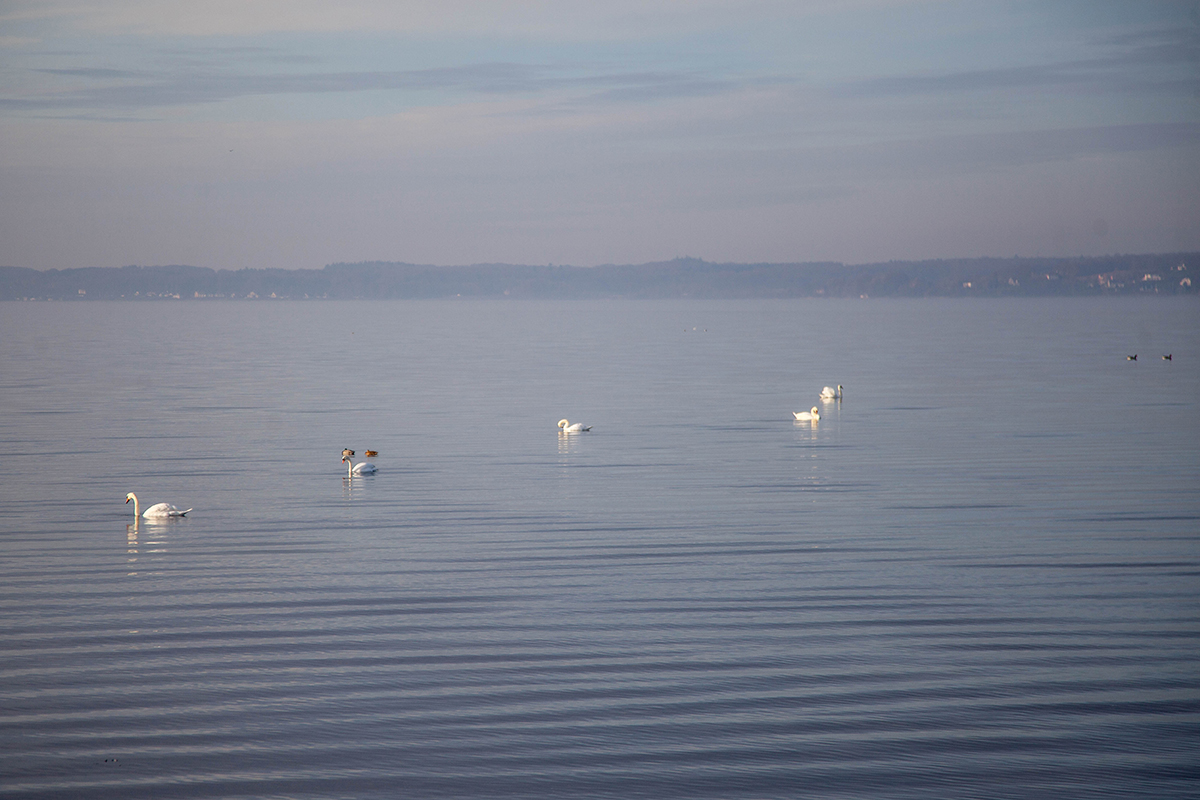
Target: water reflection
column 352, row 485
column 144, row 537
column 131, row 544
column 811, row 467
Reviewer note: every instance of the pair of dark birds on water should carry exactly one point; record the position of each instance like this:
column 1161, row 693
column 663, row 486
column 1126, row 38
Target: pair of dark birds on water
column 1133, row 357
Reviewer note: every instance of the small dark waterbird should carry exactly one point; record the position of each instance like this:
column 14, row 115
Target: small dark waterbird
column 1131, row 358
column 1167, row 357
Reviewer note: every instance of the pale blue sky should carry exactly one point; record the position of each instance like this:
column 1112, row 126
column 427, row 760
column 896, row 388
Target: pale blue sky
column 294, row 133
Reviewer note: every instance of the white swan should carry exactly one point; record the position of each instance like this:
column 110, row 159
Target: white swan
column 829, row 393
column 361, row 468
column 805, row 416
column 567, row 427
column 156, row 511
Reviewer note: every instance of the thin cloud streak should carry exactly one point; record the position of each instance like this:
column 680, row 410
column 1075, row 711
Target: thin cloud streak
column 531, row 19
column 1163, row 50
column 147, row 91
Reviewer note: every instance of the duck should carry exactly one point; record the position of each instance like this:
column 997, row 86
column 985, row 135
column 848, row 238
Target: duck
column 829, row 393
column 566, row 427
column 806, row 416
column 370, row 453
column 347, row 453
column 1167, row 357
column 1131, row 358
column 156, row 511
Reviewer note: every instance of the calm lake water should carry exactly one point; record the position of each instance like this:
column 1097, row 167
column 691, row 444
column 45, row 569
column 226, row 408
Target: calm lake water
column 977, row 576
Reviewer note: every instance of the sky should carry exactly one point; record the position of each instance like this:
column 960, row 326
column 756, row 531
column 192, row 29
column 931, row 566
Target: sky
column 296, row 133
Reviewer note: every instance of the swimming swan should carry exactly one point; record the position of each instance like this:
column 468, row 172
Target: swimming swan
column 156, row 511
column 578, row 427
column 829, row 393
column 805, row 416
column 361, row 468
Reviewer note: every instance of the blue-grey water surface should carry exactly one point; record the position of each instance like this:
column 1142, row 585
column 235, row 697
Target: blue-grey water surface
column 977, row 576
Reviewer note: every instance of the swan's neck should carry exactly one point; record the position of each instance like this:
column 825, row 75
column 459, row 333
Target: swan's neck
column 137, row 508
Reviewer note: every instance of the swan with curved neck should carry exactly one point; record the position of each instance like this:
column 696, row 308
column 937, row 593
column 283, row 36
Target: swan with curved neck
column 361, row 468
column 829, row 393
column 156, row 511
column 567, row 427
column 806, row 416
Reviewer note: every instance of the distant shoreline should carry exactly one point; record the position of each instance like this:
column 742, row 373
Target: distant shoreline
column 1168, row 274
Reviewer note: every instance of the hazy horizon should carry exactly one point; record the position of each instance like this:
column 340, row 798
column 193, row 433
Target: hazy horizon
column 291, row 134
column 597, row 265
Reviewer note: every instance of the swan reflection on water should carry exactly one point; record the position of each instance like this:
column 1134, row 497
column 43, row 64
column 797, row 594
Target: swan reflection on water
column 567, row 444
column 349, row 485
column 147, row 541
column 131, row 543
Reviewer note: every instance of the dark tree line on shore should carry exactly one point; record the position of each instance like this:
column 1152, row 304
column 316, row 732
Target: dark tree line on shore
column 1162, row 274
